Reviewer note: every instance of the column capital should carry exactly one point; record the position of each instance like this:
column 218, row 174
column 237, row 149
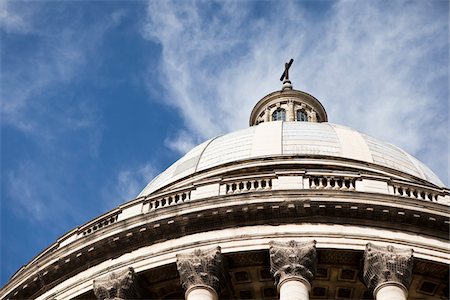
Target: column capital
column 387, row 265
column 201, row 268
column 293, row 259
column 117, row 285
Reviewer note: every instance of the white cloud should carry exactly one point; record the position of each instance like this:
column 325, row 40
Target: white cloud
column 35, row 79
column 41, row 60
column 182, row 142
column 10, row 20
column 380, row 67
column 29, row 187
column 129, row 182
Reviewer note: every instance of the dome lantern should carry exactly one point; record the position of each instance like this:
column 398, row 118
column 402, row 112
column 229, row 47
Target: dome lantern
column 288, row 105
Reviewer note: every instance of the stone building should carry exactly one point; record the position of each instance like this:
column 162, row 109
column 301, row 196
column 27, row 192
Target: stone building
column 292, row 207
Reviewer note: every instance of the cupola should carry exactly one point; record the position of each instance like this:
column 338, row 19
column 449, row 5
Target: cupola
column 288, row 105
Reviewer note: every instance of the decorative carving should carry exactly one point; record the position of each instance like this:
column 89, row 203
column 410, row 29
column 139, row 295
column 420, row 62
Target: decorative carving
column 117, row 285
column 201, row 267
column 387, row 264
column 293, row 259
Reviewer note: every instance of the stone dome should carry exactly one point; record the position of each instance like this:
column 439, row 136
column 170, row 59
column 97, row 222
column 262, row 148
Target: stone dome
column 293, row 139
column 246, row 203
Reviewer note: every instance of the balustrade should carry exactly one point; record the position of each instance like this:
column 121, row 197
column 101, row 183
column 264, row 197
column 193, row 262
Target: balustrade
column 170, row 199
column 249, row 185
column 332, row 183
column 101, row 223
column 415, row 193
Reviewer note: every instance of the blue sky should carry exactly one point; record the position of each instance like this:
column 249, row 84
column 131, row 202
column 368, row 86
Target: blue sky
column 98, row 97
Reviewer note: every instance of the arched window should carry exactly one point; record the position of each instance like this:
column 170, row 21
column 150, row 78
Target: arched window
column 301, row 116
column 279, row 115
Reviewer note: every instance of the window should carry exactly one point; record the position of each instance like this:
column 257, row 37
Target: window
column 301, row 116
column 279, row 115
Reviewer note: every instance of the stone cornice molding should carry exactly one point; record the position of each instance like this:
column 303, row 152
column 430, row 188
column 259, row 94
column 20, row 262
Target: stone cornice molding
column 386, row 265
column 201, row 268
column 117, row 285
column 293, row 259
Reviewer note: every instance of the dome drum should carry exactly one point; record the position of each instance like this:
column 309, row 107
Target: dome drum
column 293, row 102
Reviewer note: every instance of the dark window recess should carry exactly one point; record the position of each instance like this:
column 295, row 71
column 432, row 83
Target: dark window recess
column 269, row 293
column 265, row 274
column 322, row 273
column 428, row 287
column 246, row 295
column 347, row 274
column 344, row 293
column 319, row 292
column 368, row 295
column 241, row 276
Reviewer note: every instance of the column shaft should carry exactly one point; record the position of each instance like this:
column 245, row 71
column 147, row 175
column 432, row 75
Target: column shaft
column 293, row 289
column 201, row 293
column 390, row 291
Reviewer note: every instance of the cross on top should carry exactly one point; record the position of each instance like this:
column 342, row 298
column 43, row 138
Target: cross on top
column 285, row 74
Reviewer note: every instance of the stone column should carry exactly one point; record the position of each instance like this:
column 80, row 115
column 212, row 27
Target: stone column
column 267, row 116
column 290, row 111
column 388, row 271
column 117, row 285
column 313, row 115
column 201, row 273
column 293, row 265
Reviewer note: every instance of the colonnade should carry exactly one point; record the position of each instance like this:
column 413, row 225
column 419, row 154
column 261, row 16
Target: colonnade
column 387, row 273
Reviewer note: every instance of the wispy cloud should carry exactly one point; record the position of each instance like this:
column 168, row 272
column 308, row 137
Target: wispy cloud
column 34, row 194
column 10, row 20
column 128, row 183
column 380, row 67
column 43, row 60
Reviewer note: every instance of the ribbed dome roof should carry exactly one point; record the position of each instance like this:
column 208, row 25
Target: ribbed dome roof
column 291, row 138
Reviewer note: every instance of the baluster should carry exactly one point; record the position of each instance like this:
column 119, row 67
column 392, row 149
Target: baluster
column 352, row 184
column 252, row 185
column 312, row 183
column 246, row 185
column 320, row 186
column 258, row 184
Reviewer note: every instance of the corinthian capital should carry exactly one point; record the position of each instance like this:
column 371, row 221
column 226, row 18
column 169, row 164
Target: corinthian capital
column 201, row 268
column 293, row 259
column 387, row 265
column 116, row 285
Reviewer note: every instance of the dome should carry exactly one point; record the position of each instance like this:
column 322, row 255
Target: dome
column 292, row 201
column 302, row 139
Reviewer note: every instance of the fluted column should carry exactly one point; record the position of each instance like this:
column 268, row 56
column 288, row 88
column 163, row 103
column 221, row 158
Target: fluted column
column 117, row 285
column 293, row 265
column 388, row 271
column 201, row 273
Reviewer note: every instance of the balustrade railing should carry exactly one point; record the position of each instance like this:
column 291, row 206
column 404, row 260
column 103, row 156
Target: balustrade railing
column 248, row 185
column 110, row 219
column 332, row 183
column 170, row 199
column 414, row 192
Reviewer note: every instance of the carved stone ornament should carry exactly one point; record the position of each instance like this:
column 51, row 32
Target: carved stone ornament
column 293, row 259
column 116, row 285
column 201, row 268
column 387, row 264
